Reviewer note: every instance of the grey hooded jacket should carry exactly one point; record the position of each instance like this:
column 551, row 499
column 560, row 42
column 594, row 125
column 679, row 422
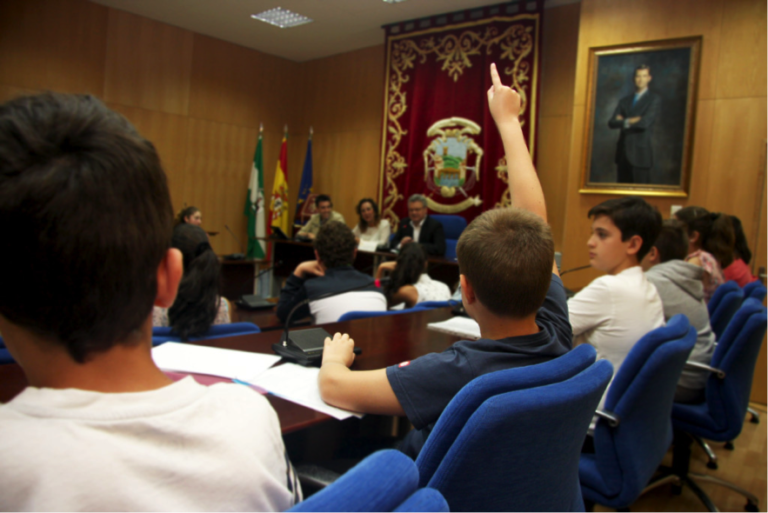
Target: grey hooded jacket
column 681, row 291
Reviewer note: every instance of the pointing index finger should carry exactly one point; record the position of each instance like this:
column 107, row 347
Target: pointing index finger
column 495, row 76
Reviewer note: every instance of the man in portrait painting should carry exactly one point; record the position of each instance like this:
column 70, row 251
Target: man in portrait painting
column 635, row 116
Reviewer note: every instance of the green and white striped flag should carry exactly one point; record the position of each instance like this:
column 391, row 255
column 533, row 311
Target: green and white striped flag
column 254, row 206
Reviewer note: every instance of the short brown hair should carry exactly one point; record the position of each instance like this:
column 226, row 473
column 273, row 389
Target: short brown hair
column 507, row 257
column 335, row 244
column 85, row 209
column 672, row 242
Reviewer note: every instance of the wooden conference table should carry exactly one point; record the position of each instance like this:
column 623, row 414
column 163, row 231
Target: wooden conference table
column 384, row 341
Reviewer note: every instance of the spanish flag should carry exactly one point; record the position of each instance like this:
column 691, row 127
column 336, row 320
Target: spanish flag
column 278, row 208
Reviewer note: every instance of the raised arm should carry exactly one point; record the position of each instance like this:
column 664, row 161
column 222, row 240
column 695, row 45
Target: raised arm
column 524, row 186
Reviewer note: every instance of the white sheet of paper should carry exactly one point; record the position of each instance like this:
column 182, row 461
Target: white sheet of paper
column 228, row 363
column 459, row 326
column 299, row 385
column 368, row 245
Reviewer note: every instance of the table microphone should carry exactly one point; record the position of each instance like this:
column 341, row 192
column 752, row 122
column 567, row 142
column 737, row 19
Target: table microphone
column 235, row 256
column 574, row 269
column 305, row 347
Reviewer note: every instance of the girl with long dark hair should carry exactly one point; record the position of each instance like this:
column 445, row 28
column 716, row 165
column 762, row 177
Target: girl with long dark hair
column 409, row 283
column 189, row 215
column 739, row 270
column 198, row 304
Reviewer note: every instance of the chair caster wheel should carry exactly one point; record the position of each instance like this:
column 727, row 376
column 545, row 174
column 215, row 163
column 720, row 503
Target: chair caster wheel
column 677, row 489
column 712, row 465
column 729, row 446
column 751, row 507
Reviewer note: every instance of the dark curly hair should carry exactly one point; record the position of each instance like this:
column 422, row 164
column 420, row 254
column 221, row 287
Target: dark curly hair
column 410, row 266
column 716, row 234
column 741, row 247
column 363, row 225
column 335, row 244
column 197, row 302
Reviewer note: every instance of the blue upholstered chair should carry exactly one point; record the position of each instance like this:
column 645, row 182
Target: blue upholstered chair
column 2, row 343
column 351, row 316
column 519, row 451
column 635, row 429
column 452, row 226
column 428, row 305
column 425, row 499
column 5, row 356
column 444, row 465
column 721, row 416
column 160, row 335
column 724, row 303
column 754, row 290
column 383, row 481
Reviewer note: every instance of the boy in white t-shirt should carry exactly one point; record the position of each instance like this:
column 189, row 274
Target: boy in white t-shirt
column 614, row 311
column 87, row 219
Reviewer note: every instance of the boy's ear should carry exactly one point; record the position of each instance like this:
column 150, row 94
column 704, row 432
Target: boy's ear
column 169, row 274
column 694, row 236
column 635, row 242
column 467, row 290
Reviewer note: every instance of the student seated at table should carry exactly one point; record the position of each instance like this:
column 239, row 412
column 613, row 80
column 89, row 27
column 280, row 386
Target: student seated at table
column 100, row 427
column 681, row 291
column 331, row 273
column 515, row 295
column 198, row 304
column 409, row 282
column 614, row 311
column 371, row 227
column 325, row 213
column 706, row 238
column 739, row 270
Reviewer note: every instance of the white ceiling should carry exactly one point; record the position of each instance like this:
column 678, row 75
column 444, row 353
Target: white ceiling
column 339, row 25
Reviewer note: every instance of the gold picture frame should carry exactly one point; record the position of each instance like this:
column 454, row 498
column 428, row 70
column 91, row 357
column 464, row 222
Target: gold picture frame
column 641, row 144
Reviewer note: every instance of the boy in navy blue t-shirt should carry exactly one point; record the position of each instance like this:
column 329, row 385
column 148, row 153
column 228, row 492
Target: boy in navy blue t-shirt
column 506, row 261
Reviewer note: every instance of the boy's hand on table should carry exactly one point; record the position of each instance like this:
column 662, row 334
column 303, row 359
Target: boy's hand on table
column 339, row 350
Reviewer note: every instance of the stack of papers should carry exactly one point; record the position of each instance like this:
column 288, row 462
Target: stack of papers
column 227, row 363
column 459, row 326
column 299, row 385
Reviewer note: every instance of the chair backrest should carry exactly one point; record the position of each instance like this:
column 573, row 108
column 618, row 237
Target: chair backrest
column 641, row 396
column 161, row 335
column 5, row 356
column 726, row 307
column 425, row 499
column 755, row 290
column 520, row 450
column 735, row 354
column 720, row 292
column 428, row 305
column 476, row 392
column 452, row 226
column 351, row 316
column 381, row 482
column 332, row 308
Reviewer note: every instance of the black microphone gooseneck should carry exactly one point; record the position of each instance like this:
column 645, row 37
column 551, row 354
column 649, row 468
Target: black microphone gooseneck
column 235, row 256
column 575, row 269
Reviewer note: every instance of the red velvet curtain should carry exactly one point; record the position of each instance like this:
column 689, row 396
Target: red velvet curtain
column 438, row 137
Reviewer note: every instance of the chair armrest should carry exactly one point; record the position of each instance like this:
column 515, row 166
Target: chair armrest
column 612, row 419
column 696, row 365
column 314, row 478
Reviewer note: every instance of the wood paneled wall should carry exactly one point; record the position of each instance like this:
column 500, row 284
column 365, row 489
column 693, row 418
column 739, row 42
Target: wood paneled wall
column 200, row 100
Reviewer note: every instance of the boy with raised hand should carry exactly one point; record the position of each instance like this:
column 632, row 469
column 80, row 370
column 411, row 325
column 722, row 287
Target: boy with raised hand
column 87, row 218
column 614, row 311
column 511, row 292
column 682, row 292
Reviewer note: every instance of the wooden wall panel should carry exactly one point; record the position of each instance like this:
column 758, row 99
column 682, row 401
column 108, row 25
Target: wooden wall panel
column 742, row 61
column 149, row 64
column 10, row 92
column 53, row 44
column 552, row 166
column 216, row 178
column 168, row 132
column 232, row 84
column 558, row 62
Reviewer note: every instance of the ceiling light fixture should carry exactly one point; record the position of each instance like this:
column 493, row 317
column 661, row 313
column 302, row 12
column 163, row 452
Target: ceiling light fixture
column 282, row 18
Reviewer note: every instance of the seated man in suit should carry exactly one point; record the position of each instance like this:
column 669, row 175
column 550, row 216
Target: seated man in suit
column 332, row 272
column 421, row 228
column 324, row 214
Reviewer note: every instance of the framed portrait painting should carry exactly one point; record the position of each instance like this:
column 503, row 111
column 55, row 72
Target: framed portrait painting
column 640, row 118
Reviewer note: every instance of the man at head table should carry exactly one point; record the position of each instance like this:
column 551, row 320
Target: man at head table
column 421, row 228
column 325, row 213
